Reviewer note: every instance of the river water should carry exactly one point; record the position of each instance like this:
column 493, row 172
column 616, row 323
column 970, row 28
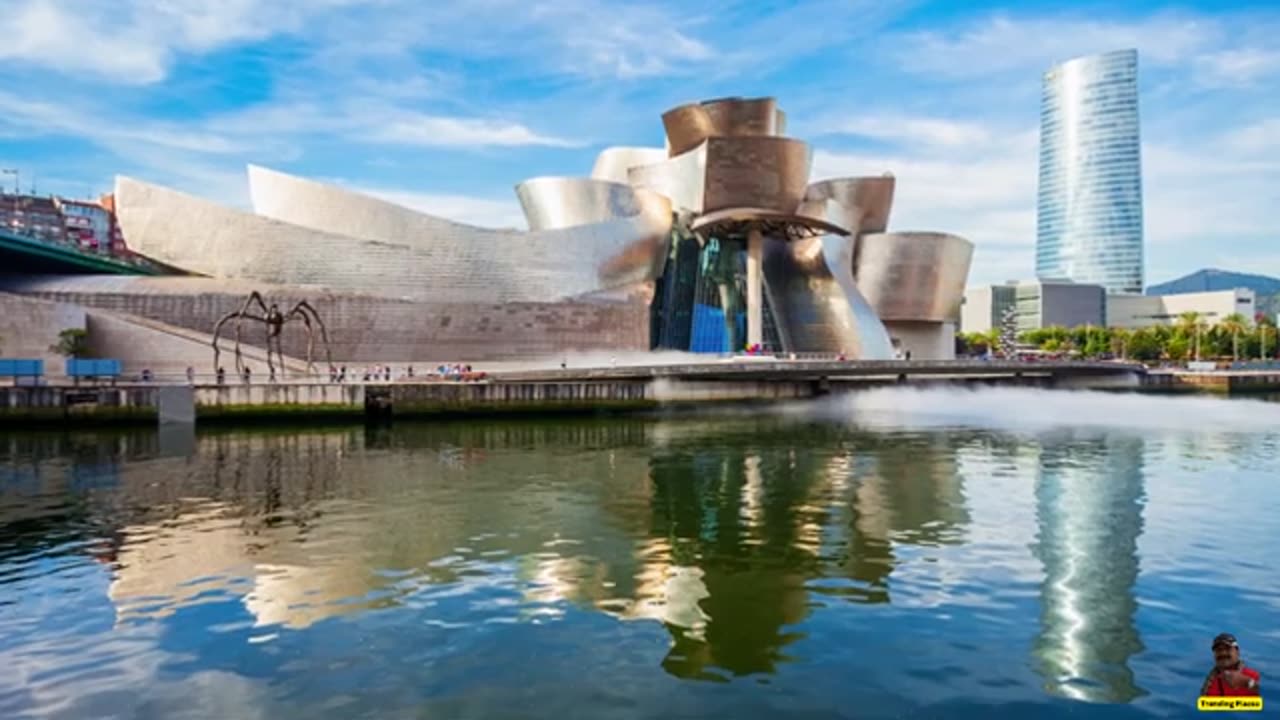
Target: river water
column 902, row 553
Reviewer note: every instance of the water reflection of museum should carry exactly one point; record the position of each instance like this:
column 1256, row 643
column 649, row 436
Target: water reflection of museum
column 726, row 543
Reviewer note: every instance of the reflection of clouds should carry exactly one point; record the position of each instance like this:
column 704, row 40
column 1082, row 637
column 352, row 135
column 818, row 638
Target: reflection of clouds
column 163, row 566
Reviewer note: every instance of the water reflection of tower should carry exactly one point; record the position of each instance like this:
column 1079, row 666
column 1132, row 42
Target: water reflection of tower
column 1089, row 498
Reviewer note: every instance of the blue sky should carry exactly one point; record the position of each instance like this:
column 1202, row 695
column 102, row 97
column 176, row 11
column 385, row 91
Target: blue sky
column 445, row 105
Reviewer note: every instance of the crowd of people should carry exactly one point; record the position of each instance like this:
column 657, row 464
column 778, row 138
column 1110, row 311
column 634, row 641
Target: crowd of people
column 456, row 372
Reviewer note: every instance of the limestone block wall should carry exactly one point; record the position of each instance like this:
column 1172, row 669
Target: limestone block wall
column 367, row 328
column 925, row 340
column 28, row 326
column 167, row 351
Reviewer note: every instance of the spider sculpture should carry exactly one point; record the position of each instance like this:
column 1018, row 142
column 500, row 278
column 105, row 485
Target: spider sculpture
column 274, row 321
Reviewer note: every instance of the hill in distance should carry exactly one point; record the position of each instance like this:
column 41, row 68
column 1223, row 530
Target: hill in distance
column 1210, row 280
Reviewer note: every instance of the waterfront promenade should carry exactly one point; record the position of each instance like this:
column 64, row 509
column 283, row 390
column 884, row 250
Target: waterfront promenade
column 517, row 389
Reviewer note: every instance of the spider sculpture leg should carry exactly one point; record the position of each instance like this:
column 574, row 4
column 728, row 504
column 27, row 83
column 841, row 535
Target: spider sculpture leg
column 238, row 316
column 296, row 314
column 305, row 308
column 254, row 297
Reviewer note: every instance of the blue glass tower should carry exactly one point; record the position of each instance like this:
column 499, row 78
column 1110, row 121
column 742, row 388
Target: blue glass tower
column 1089, row 212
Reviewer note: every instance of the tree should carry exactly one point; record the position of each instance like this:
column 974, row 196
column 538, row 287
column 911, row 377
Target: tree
column 72, row 343
column 1146, row 345
column 1189, row 323
column 1233, row 325
column 1120, row 339
column 1177, row 347
column 1097, row 342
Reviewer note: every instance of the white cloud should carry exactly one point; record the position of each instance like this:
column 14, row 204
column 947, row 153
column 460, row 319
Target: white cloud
column 37, row 32
column 45, row 118
column 433, row 131
column 911, row 130
column 1236, row 67
column 982, row 189
column 1260, row 140
column 1209, row 194
column 135, row 41
column 1002, row 43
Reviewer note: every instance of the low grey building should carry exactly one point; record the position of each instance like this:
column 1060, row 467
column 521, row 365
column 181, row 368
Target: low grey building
column 1036, row 305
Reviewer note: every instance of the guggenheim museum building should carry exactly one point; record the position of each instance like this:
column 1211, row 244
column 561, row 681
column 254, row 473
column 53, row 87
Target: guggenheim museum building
column 716, row 242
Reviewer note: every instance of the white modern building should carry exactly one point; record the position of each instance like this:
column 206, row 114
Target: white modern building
column 1137, row 311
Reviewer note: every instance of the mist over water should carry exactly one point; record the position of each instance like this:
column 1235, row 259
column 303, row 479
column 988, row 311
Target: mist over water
column 1035, row 410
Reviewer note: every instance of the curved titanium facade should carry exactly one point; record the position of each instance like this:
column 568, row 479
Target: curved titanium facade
column 724, row 173
column 770, row 173
column 682, row 179
column 816, row 304
column 315, row 234
column 613, row 163
column 913, row 276
column 553, row 203
column 865, row 202
column 690, row 125
column 818, row 264
column 1089, row 219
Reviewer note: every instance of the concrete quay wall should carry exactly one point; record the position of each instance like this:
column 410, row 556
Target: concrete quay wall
column 42, row 405
column 306, row 401
column 1228, row 382
column 19, row 405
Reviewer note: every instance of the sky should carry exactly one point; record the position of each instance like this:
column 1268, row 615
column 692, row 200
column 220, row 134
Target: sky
column 445, row 106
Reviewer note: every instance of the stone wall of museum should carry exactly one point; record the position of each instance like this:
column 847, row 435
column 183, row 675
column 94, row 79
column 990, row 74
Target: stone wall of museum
column 370, row 329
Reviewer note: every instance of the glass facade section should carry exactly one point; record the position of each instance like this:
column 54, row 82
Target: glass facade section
column 1089, row 210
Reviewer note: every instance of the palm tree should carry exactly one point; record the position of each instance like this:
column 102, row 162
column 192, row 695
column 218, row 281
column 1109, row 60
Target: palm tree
column 1121, row 337
column 1190, row 322
column 1234, row 324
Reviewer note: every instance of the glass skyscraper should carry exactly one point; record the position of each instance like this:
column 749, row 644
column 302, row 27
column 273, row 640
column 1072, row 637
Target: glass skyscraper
column 1089, row 212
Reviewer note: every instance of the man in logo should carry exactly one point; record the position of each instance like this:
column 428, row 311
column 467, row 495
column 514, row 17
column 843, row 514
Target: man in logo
column 1229, row 675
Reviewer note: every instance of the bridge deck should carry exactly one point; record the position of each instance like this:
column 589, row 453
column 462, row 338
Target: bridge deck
column 24, row 254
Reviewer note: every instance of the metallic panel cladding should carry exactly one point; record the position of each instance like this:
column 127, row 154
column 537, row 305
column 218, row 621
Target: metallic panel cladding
column 913, row 275
column 726, row 170
column 681, row 178
column 770, row 173
column 690, row 125
column 319, row 234
column 866, row 201
column 613, row 163
column 762, row 173
column 1089, row 214
column 815, row 301
column 553, row 203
